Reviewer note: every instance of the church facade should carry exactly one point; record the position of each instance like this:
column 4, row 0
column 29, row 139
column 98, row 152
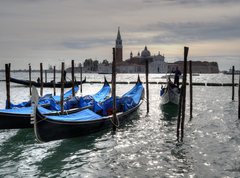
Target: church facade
column 135, row 64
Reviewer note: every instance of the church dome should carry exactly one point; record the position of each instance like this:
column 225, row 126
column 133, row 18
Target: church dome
column 145, row 52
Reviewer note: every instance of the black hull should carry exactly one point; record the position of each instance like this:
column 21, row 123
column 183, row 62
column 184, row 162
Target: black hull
column 15, row 121
column 48, row 84
column 49, row 130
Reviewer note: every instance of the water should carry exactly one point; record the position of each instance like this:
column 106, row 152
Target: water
column 144, row 146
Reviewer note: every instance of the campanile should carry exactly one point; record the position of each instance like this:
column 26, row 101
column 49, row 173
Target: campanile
column 119, row 47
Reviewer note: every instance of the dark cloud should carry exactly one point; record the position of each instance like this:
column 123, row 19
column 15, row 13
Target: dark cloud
column 193, row 2
column 86, row 43
column 226, row 29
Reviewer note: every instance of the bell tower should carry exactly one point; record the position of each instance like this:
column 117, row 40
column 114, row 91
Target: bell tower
column 119, row 47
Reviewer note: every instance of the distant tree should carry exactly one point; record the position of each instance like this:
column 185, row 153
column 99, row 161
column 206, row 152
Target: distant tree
column 105, row 62
column 88, row 63
column 95, row 65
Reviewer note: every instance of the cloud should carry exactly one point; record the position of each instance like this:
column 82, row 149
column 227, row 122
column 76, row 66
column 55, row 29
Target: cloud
column 195, row 31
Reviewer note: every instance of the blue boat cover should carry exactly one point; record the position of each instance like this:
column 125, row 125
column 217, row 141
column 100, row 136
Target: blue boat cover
column 84, row 115
column 102, row 94
column 128, row 101
column 123, row 104
column 76, row 102
column 66, row 95
column 46, row 99
column 25, row 110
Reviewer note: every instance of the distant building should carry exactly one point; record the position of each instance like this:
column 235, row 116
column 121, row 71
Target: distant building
column 157, row 64
column 135, row 64
column 197, row 67
column 119, row 48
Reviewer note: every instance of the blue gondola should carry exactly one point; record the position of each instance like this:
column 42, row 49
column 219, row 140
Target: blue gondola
column 48, row 128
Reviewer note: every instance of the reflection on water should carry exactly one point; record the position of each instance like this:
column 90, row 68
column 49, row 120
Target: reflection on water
column 170, row 110
column 144, row 146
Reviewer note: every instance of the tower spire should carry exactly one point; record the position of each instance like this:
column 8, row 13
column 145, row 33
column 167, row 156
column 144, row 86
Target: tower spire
column 119, row 47
column 118, row 34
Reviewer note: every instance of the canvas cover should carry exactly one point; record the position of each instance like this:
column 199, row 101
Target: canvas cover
column 84, row 115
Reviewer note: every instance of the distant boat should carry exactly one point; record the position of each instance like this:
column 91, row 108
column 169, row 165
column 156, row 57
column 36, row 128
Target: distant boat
column 67, row 84
column 170, row 93
column 230, row 72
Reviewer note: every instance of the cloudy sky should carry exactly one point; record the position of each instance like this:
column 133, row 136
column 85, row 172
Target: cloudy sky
column 52, row 31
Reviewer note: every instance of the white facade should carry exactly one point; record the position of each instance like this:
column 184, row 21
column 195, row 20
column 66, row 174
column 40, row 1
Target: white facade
column 158, row 65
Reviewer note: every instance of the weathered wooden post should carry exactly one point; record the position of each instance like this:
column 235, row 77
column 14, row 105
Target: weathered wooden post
column 184, row 91
column 41, row 79
column 73, row 93
column 7, row 76
column 54, row 80
column 80, row 77
column 45, row 76
column 179, row 112
column 190, row 88
column 239, row 98
column 62, row 88
column 30, row 79
column 114, row 89
column 233, row 72
column 147, row 88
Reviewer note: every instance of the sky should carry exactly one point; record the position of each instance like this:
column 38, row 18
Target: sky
column 55, row 31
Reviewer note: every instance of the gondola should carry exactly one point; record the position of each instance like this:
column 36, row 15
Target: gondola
column 170, row 93
column 17, row 118
column 67, row 84
column 48, row 128
column 44, row 100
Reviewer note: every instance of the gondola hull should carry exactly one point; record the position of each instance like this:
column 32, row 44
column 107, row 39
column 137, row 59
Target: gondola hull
column 67, row 84
column 170, row 94
column 170, row 97
column 49, row 130
column 15, row 121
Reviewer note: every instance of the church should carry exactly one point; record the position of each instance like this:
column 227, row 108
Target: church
column 135, row 64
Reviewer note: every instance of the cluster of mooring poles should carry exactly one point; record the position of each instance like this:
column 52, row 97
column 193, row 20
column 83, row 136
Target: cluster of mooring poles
column 7, row 76
column 182, row 100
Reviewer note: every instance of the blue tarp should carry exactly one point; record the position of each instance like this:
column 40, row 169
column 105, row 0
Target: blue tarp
column 67, row 95
column 25, row 110
column 102, row 94
column 84, row 115
column 81, row 102
column 46, row 99
column 126, row 102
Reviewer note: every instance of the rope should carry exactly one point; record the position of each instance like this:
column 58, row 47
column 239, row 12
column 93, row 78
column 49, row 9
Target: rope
column 116, row 125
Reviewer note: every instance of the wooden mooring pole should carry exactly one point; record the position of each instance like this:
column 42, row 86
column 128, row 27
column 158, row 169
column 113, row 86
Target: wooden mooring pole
column 54, row 80
column 41, row 79
column 45, row 76
column 80, row 77
column 30, row 79
column 7, row 76
column 179, row 112
column 182, row 100
column 239, row 98
column 73, row 93
column 114, row 89
column 190, row 88
column 62, row 87
column 184, row 91
column 233, row 72
column 147, row 88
